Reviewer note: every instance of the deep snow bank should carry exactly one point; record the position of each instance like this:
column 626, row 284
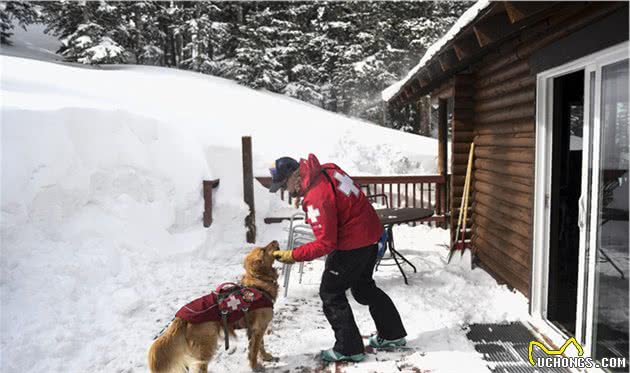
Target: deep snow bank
column 101, row 199
column 218, row 112
column 57, row 163
column 95, row 205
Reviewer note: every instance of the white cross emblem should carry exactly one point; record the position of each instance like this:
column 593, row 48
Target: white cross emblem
column 233, row 303
column 346, row 185
column 312, row 213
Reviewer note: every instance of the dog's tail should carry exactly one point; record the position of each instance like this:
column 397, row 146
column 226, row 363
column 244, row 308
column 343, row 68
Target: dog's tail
column 165, row 354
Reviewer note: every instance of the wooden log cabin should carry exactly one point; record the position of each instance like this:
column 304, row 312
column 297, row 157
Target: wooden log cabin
column 541, row 88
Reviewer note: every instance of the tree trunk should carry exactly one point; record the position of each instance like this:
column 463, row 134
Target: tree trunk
column 239, row 14
column 179, row 43
column 172, row 47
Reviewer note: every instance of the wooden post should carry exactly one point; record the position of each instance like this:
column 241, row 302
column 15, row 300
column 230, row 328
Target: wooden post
column 248, row 188
column 384, row 113
column 208, row 185
column 424, row 113
column 442, row 153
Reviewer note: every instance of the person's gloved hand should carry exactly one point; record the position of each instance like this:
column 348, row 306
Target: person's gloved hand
column 284, row 256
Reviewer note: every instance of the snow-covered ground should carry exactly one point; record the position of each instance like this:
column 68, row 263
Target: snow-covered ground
column 436, row 307
column 100, row 218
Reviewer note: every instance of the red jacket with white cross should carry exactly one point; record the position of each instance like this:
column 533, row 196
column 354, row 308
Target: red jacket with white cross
column 342, row 218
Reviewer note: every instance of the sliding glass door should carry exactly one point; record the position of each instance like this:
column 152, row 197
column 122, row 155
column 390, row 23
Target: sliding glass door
column 609, row 221
column 580, row 258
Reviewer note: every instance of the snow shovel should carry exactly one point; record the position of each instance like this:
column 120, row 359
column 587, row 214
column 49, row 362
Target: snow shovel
column 463, row 210
column 462, row 247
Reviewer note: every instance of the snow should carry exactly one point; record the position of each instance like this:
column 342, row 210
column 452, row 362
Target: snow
column 107, row 48
column 436, row 307
column 466, row 18
column 100, row 218
column 338, row 24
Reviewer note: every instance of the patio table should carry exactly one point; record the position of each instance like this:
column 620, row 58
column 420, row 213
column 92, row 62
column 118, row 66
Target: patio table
column 392, row 216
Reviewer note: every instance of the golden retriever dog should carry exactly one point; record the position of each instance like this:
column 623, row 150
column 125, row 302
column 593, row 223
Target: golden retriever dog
column 190, row 346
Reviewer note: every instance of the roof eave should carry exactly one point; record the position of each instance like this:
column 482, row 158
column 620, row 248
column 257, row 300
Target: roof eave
column 492, row 25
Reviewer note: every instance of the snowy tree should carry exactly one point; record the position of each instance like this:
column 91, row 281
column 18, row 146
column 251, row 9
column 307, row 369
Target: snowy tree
column 304, row 85
column 89, row 44
column 336, row 55
column 20, row 12
column 207, row 38
column 257, row 52
column 88, row 31
column 143, row 37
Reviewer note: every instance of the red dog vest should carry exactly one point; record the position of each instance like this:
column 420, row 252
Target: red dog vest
column 228, row 299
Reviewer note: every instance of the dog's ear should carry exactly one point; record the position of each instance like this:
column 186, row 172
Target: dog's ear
column 250, row 258
column 260, row 255
column 255, row 258
column 273, row 246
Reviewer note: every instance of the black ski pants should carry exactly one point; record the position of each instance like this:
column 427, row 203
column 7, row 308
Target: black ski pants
column 352, row 269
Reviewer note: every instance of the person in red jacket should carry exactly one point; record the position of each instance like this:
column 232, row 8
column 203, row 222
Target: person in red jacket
column 347, row 229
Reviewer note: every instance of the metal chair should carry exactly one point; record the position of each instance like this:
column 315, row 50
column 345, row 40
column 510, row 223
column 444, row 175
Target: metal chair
column 373, row 198
column 299, row 234
column 294, row 217
column 299, row 240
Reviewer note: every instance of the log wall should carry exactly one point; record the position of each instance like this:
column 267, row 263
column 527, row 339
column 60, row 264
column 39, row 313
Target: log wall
column 495, row 107
column 504, row 134
column 461, row 138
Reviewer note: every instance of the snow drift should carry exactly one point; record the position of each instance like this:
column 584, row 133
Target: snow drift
column 101, row 196
column 101, row 208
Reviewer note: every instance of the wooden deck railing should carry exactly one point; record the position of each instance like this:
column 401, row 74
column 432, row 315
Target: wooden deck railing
column 426, row 191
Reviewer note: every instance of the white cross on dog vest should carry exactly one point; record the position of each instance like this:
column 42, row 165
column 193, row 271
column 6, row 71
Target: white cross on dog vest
column 233, row 303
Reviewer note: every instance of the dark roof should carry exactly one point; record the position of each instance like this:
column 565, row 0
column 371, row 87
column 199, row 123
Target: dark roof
column 472, row 37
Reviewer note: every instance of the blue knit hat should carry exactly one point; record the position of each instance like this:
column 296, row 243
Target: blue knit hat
column 285, row 166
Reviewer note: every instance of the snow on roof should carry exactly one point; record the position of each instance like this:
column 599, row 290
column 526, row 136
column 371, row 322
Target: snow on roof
column 463, row 21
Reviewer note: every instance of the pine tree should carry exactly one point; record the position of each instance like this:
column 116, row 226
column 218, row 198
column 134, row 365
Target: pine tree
column 209, row 38
column 143, row 36
column 301, row 67
column 336, row 55
column 256, row 53
column 20, row 12
column 88, row 31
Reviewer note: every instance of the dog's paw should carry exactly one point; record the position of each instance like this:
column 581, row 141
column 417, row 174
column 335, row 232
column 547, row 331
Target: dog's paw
column 268, row 357
column 258, row 368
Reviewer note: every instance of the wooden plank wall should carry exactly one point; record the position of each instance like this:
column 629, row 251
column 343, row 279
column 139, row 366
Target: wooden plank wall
column 461, row 138
column 504, row 133
column 504, row 171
